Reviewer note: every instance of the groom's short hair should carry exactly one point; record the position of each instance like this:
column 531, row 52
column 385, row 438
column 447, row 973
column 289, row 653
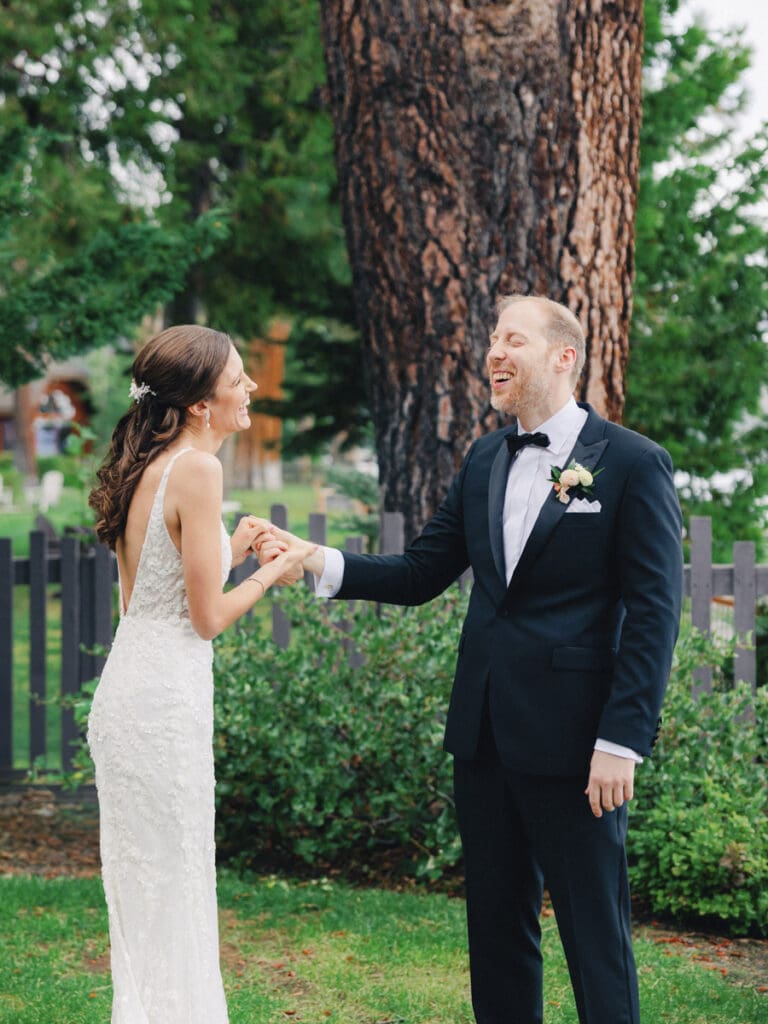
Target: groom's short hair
column 562, row 327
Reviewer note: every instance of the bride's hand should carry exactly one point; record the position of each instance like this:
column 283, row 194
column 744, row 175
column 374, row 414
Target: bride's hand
column 249, row 534
column 269, row 548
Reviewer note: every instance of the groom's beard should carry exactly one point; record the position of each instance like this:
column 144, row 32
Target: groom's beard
column 528, row 390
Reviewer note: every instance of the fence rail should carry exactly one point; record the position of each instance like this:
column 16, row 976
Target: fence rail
column 84, row 581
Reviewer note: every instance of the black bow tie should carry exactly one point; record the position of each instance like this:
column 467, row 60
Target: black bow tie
column 517, row 441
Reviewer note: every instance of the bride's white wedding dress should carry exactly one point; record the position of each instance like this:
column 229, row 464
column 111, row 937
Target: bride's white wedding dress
column 150, row 732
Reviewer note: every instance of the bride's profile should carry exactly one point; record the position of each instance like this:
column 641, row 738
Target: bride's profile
column 158, row 506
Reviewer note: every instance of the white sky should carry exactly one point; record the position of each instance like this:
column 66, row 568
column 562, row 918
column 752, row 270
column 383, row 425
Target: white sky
column 753, row 16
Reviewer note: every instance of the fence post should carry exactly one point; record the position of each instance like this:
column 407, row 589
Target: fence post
column 392, row 537
column 238, row 573
column 87, row 668
column 744, row 601
column 701, row 591
column 38, row 579
column 355, row 546
column 6, row 662
column 317, row 534
column 281, row 627
column 70, row 641
column 103, row 579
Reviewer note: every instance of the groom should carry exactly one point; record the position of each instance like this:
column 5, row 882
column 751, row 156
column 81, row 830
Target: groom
column 573, row 531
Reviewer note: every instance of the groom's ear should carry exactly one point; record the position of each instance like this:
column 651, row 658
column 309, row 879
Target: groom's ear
column 566, row 359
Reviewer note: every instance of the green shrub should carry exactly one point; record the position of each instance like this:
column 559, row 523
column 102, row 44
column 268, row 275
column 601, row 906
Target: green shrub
column 11, row 477
column 66, row 464
column 698, row 843
column 315, row 758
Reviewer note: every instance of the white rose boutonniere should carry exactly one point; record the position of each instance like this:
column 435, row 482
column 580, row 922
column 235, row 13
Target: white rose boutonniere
column 574, row 481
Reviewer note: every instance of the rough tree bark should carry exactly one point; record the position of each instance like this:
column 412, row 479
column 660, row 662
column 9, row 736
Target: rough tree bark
column 482, row 148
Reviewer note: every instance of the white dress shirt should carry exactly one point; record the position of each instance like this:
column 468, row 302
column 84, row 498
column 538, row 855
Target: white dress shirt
column 528, row 486
column 528, row 483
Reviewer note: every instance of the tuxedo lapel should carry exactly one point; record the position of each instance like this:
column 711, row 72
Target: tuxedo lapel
column 497, row 487
column 587, row 451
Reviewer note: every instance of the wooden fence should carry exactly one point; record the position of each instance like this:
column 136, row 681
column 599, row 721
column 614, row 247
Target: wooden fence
column 81, row 583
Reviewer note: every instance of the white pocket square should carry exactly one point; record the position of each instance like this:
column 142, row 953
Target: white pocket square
column 582, row 505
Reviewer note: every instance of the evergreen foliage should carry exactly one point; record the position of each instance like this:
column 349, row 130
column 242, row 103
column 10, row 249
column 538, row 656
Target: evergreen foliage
column 698, row 356
column 79, row 266
column 124, row 133
column 239, row 94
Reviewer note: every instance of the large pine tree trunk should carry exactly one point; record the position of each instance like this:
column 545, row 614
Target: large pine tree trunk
column 482, row 148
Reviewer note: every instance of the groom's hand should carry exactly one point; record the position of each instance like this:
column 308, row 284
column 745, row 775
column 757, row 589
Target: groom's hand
column 314, row 561
column 267, row 548
column 611, row 782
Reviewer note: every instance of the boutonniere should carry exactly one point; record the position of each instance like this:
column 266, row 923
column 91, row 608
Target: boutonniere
column 575, row 481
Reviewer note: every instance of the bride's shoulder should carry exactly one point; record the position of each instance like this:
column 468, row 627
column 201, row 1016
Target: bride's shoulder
column 196, row 469
column 198, row 459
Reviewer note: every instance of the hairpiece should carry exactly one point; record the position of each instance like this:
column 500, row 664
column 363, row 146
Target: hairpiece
column 138, row 391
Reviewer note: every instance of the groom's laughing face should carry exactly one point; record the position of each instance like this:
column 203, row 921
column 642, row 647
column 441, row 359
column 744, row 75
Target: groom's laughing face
column 520, row 360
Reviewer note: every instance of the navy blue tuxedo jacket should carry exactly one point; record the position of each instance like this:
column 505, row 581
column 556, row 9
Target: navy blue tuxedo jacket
column 579, row 644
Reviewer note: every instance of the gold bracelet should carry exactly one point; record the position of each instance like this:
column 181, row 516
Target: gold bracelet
column 255, row 579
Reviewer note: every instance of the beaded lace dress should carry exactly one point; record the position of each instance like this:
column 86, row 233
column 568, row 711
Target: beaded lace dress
column 150, row 732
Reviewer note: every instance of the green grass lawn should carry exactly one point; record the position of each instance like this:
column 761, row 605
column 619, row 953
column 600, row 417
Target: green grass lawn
column 316, row 952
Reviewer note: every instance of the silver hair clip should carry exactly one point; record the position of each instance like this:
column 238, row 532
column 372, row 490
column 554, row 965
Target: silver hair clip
column 138, row 391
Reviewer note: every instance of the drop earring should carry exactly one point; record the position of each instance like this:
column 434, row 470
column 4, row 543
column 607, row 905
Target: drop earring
column 208, row 418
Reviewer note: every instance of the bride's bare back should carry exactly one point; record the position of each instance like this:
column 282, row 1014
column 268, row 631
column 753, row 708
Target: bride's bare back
column 129, row 546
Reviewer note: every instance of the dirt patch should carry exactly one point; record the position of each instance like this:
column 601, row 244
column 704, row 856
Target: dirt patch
column 282, row 976
column 742, row 961
column 46, row 833
column 97, row 964
column 279, row 970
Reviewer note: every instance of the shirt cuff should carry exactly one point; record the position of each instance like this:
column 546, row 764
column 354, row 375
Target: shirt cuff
column 329, row 584
column 613, row 748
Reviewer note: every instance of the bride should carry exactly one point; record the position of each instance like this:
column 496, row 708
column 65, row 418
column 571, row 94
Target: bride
column 158, row 506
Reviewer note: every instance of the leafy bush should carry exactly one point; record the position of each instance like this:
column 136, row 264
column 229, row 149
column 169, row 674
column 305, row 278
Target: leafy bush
column 698, row 843
column 11, row 477
column 316, row 758
column 66, row 464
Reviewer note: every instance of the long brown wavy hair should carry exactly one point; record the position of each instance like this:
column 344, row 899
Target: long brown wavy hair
column 180, row 366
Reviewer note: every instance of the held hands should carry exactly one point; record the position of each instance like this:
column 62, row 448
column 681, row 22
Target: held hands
column 611, row 782
column 273, row 543
column 270, row 547
column 246, row 535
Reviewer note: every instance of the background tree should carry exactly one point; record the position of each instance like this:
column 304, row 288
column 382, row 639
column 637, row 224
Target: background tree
column 237, row 121
column 79, row 265
column 162, row 113
column 480, row 149
column 150, row 117
column 698, row 356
